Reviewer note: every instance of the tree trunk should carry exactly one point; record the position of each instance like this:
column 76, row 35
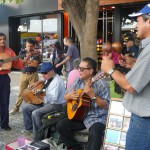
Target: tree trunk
column 83, row 15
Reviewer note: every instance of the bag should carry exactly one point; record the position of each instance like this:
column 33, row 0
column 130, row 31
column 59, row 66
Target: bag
column 41, row 145
column 54, row 145
column 49, row 124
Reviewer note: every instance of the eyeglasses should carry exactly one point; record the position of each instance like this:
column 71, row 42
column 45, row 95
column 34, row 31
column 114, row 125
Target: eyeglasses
column 44, row 73
column 82, row 68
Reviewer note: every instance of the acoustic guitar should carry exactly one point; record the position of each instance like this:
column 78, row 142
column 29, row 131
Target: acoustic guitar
column 34, row 94
column 6, row 60
column 76, row 109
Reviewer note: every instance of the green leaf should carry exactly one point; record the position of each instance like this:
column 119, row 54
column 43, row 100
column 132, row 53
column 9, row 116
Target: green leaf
column 10, row 1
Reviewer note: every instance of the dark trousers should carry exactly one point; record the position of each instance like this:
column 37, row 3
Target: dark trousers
column 66, row 130
column 4, row 100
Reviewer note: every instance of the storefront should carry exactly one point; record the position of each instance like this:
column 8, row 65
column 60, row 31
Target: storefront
column 49, row 23
column 114, row 21
column 113, row 18
column 31, row 19
column 44, row 28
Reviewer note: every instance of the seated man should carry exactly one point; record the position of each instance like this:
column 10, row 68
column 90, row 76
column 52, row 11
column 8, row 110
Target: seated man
column 95, row 117
column 53, row 100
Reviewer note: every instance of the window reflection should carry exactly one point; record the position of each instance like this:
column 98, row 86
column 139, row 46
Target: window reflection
column 42, row 29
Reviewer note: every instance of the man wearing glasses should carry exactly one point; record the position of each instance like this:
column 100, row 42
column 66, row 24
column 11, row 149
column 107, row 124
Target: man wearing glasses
column 95, row 118
column 53, row 101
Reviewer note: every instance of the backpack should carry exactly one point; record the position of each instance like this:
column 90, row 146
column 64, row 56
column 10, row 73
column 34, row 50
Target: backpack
column 49, row 124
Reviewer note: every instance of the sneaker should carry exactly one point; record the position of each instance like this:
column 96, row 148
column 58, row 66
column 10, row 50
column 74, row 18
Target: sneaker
column 13, row 111
column 24, row 131
column 7, row 128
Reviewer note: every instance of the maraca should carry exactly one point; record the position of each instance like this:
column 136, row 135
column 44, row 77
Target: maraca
column 107, row 48
column 117, row 47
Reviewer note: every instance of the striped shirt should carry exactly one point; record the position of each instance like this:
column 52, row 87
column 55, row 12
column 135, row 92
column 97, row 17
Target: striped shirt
column 95, row 113
column 138, row 102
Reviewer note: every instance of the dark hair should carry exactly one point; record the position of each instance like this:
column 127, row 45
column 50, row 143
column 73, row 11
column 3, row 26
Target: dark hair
column 91, row 64
column 31, row 41
column 57, row 45
column 2, row 34
column 70, row 40
column 145, row 17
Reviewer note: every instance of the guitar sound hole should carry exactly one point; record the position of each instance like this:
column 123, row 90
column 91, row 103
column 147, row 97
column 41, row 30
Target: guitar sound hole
column 74, row 107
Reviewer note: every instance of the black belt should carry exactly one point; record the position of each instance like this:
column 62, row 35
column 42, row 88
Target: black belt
column 28, row 72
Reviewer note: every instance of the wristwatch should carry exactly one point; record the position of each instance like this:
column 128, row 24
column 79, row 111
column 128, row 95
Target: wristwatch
column 93, row 98
column 111, row 71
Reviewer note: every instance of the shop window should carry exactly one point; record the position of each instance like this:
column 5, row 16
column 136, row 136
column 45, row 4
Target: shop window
column 43, row 29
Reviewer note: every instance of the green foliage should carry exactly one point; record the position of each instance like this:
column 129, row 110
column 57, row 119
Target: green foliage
column 9, row 1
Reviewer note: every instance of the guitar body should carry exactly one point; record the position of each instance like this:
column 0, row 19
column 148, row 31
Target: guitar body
column 29, row 95
column 5, row 65
column 76, row 109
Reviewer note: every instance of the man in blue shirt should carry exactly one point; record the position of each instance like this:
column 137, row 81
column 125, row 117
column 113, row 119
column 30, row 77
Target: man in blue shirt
column 72, row 54
column 53, row 101
column 130, row 47
column 94, row 120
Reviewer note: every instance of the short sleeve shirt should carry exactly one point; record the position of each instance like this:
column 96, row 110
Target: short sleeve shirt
column 139, row 78
column 73, row 52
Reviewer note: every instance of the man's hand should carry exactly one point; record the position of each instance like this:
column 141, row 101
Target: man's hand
column 28, row 56
column 126, row 61
column 107, row 63
column 74, row 95
column 56, row 66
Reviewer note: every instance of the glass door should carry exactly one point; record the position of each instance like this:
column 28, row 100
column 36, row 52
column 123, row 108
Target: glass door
column 104, row 30
column 105, row 25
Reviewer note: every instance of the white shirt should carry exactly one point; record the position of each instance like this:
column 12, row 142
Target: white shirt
column 55, row 91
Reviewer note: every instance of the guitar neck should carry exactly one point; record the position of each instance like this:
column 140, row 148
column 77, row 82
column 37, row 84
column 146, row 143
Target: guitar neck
column 13, row 58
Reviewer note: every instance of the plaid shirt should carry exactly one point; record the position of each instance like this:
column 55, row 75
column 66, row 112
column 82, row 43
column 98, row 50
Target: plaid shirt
column 95, row 113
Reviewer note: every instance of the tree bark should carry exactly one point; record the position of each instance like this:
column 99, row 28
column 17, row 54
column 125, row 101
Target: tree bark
column 83, row 15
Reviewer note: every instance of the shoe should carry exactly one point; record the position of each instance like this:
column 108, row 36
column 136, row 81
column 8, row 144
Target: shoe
column 24, row 131
column 7, row 128
column 14, row 111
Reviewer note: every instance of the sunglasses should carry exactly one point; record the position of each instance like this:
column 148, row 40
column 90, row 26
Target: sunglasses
column 82, row 68
column 44, row 72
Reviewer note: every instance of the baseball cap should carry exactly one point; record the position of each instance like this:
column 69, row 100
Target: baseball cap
column 46, row 67
column 145, row 10
column 128, row 38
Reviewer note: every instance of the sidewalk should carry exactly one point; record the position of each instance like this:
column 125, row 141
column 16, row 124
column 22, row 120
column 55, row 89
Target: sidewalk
column 15, row 121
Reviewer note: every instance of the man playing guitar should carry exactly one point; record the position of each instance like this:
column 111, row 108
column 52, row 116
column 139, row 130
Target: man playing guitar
column 6, row 52
column 95, row 117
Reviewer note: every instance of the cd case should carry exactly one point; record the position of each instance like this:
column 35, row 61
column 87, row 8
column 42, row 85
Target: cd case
column 28, row 147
